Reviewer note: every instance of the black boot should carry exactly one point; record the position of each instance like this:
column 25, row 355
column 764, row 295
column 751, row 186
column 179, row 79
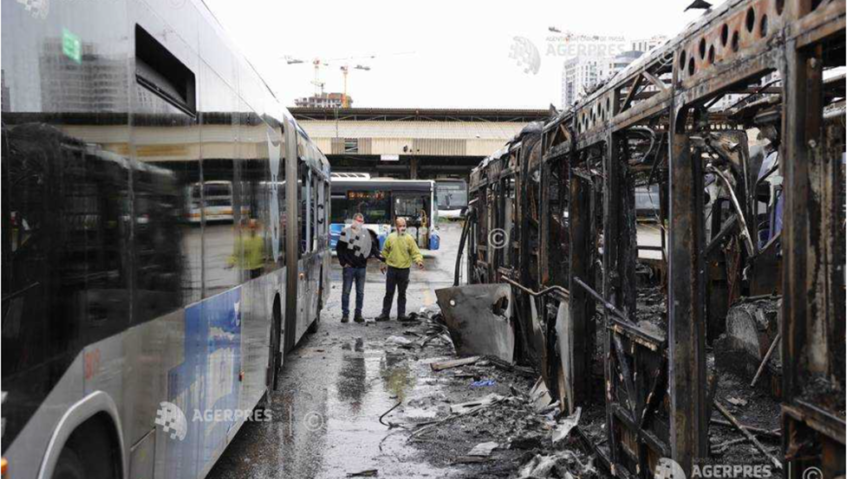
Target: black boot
column 358, row 318
column 345, row 318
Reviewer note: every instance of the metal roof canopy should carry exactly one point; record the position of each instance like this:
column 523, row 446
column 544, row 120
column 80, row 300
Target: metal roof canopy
column 419, row 114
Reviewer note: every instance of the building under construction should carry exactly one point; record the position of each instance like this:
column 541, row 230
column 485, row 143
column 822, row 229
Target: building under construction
column 665, row 254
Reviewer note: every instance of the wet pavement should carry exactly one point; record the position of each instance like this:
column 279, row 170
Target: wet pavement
column 338, row 382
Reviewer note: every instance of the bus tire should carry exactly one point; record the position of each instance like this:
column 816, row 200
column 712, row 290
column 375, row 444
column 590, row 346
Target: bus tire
column 91, row 452
column 69, row 466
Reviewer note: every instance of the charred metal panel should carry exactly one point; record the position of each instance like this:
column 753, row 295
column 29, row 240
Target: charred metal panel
column 479, row 319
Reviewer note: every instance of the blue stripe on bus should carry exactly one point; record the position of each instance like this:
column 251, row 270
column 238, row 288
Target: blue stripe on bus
column 207, row 381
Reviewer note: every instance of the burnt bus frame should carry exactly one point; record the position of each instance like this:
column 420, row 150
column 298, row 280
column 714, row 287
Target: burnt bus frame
column 669, row 89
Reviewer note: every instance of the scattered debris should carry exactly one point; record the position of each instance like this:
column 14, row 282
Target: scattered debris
column 464, row 408
column 527, row 442
column 389, row 424
column 737, row 401
column 470, row 460
column 765, row 360
column 540, row 396
column 484, row 449
column 755, row 430
column 366, row 473
column 454, row 363
column 747, row 433
column 401, row 341
column 564, row 427
column 460, row 410
column 721, row 448
column 563, row 464
column 506, row 366
column 483, row 383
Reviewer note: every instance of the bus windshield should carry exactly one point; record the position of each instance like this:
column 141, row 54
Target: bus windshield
column 373, row 205
column 451, row 195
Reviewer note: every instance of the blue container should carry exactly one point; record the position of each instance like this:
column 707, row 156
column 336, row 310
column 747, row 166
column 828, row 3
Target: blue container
column 434, row 241
column 335, row 230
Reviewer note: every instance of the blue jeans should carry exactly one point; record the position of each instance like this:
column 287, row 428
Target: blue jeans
column 350, row 275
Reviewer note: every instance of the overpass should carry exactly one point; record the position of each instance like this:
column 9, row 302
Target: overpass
column 411, row 142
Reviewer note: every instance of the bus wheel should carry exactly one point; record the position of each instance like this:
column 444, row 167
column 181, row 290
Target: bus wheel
column 91, row 451
column 69, row 466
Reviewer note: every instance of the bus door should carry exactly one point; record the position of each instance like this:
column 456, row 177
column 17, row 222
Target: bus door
column 415, row 208
column 311, row 263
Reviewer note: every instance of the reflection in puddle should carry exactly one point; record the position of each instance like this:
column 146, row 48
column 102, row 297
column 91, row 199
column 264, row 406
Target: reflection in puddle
column 351, row 383
column 395, row 371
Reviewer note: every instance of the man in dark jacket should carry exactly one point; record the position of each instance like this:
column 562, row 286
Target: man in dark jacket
column 355, row 246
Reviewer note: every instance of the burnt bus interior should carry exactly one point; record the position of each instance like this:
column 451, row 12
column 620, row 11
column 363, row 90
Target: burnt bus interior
column 678, row 237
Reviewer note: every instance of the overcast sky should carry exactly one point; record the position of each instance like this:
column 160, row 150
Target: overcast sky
column 434, row 53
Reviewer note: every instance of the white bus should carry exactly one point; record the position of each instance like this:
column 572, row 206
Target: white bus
column 129, row 307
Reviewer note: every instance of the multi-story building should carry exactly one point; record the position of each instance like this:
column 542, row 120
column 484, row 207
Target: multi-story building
column 647, row 44
column 325, row 100
column 90, row 83
column 580, row 74
column 591, row 66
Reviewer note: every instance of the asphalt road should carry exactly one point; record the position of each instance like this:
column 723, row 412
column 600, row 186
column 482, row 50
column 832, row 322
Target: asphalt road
column 336, row 385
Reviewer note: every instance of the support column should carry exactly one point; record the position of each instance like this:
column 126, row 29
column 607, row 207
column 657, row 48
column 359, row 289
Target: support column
column 582, row 306
column 686, row 287
column 414, row 168
column 813, row 315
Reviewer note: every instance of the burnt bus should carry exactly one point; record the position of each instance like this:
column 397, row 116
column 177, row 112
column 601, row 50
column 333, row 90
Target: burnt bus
column 676, row 239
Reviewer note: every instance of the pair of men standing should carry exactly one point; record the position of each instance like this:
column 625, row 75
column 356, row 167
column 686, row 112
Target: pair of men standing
column 356, row 245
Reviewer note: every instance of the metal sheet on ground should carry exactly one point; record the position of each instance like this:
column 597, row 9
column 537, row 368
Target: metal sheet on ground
column 479, row 319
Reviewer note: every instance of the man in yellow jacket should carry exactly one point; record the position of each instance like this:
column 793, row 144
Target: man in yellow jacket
column 249, row 251
column 400, row 252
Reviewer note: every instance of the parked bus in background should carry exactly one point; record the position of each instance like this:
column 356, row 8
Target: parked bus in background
column 451, row 198
column 134, row 300
column 217, row 198
column 381, row 201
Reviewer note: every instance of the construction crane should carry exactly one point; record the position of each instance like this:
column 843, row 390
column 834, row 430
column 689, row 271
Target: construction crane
column 319, row 62
column 345, row 68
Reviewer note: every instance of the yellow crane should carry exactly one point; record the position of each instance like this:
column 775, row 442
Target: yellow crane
column 319, row 62
column 345, row 68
